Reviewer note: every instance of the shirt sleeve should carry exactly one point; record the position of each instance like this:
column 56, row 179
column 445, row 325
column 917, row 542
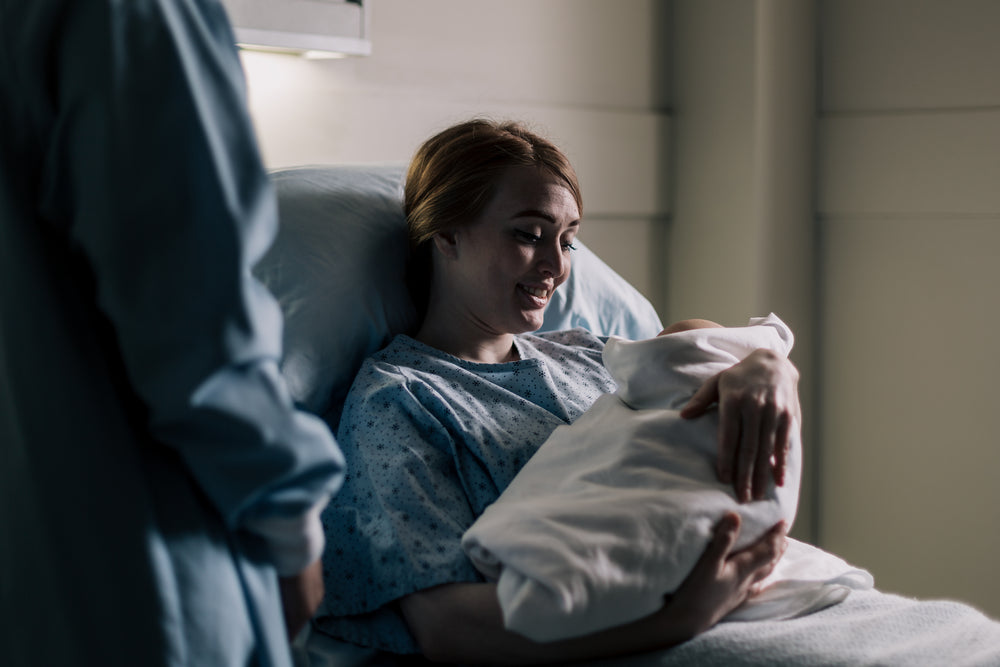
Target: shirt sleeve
column 153, row 173
column 396, row 526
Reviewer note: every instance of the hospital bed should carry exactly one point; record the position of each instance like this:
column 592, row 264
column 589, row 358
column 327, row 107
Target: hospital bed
column 337, row 268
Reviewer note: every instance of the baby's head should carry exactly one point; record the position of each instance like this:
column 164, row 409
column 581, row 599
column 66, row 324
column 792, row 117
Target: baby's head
column 686, row 325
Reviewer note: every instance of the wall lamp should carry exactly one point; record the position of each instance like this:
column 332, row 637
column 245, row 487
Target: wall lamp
column 309, row 28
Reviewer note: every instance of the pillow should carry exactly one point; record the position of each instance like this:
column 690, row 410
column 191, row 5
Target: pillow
column 337, row 268
column 596, row 298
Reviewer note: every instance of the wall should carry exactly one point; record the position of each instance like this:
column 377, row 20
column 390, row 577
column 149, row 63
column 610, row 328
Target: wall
column 589, row 74
column 909, row 208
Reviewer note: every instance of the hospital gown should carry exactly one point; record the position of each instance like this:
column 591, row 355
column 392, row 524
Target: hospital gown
column 430, row 441
column 154, row 473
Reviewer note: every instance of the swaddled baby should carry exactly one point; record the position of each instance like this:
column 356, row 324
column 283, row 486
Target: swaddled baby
column 613, row 511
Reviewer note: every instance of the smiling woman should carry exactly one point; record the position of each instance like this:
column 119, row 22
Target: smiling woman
column 460, row 172
column 493, row 277
column 437, row 424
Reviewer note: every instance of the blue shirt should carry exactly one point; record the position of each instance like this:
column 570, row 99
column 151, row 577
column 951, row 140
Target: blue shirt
column 148, row 444
column 430, row 441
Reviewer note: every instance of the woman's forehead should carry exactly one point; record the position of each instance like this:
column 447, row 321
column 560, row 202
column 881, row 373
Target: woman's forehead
column 534, row 191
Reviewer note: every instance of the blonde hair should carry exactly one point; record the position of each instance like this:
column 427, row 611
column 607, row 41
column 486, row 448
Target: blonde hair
column 454, row 175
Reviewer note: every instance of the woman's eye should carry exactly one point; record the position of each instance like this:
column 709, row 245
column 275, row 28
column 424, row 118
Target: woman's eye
column 568, row 246
column 527, row 237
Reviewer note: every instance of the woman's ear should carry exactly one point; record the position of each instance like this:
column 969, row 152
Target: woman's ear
column 446, row 243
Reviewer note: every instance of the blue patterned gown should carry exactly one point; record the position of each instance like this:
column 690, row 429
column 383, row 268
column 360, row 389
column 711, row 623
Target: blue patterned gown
column 430, row 441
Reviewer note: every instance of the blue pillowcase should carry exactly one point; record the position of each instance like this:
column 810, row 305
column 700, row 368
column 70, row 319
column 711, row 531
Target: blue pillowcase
column 596, row 298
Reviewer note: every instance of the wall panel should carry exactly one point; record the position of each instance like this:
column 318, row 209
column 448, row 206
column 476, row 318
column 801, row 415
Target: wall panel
column 910, row 54
column 912, row 163
column 620, row 156
column 909, row 161
column 909, row 384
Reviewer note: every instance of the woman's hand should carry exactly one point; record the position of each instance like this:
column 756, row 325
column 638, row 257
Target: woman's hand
column 758, row 410
column 722, row 579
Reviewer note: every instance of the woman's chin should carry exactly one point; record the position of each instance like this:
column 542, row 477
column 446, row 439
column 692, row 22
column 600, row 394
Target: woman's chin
column 533, row 321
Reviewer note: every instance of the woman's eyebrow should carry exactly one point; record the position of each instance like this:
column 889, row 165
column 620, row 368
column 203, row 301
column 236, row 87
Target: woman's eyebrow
column 535, row 213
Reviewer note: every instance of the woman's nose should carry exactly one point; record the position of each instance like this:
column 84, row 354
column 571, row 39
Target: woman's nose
column 553, row 261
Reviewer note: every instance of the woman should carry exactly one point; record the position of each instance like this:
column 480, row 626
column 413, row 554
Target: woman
column 437, row 424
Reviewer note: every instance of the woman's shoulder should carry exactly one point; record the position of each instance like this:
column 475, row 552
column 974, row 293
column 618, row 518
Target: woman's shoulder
column 391, row 365
column 399, row 371
column 382, row 384
column 566, row 338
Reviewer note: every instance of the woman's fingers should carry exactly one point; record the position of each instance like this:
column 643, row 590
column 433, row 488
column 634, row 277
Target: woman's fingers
column 758, row 408
column 729, row 440
column 723, row 579
column 766, row 561
column 757, row 562
column 749, row 447
column 777, row 543
column 707, row 394
column 726, row 531
column 782, row 447
column 763, row 470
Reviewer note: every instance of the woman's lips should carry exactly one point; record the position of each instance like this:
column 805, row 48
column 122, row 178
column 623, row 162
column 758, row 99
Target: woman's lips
column 538, row 295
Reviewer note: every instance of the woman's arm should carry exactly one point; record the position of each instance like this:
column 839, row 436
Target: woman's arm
column 758, row 413
column 463, row 622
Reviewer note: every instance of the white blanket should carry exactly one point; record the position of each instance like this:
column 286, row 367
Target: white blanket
column 613, row 511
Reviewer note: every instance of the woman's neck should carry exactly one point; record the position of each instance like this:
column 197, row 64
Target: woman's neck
column 470, row 343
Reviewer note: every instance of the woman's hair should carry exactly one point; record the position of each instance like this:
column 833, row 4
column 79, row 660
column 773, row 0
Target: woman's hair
column 454, row 175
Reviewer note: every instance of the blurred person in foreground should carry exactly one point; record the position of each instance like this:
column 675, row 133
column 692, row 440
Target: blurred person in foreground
column 159, row 492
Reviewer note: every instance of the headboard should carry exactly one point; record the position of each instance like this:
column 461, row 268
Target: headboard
column 337, row 267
